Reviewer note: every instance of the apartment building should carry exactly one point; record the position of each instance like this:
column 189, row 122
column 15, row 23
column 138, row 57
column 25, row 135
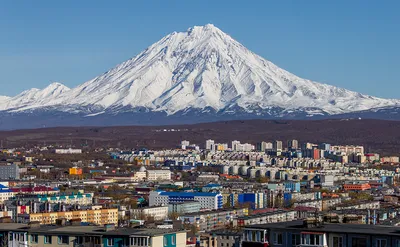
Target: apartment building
column 21, row 235
column 207, row 200
column 156, row 212
column 268, row 217
column 5, row 193
column 348, row 149
column 184, row 207
column 359, row 205
column 357, row 187
column 308, row 233
column 154, row 175
column 95, row 216
column 38, row 190
column 212, row 220
column 73, row 198
column 68, row 151
column 9, row 171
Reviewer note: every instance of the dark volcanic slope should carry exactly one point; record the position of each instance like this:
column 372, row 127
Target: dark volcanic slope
column 376, row 135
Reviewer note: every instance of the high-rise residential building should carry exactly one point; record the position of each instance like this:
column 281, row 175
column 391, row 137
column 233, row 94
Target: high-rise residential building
column 348, row 149
column 243, row 147
column 234, row 145
column 184, row 144
column 277, row 146
column 308, row 145
column 262, row 146
column 209, row 144
column 293, row 144
column 268, row 146
column 325, row 147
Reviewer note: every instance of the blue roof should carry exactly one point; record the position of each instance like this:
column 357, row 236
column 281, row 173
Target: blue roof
column 187, row 194
column 4, row 189
column 212, row 185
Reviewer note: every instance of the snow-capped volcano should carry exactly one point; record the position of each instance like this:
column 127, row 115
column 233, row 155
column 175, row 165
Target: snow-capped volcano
column 201, row 68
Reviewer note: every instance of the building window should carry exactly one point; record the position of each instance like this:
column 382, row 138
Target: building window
column 278, row 238
column 34, row 238
column 312, row 239
column 358, row 242
column 63, row 239
column 110, row 242
column 47, row 239
column 165, row 241
column 381, row 243
column 79, row 240
column 296, row 240
column 173, row 240
column 337, row 242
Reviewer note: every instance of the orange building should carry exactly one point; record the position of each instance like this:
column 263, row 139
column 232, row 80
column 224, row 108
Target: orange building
column 316, row 154
column 357, row 187
column 75, row 171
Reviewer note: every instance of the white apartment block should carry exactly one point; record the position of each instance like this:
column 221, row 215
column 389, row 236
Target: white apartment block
column 207, row 200
column 154, row 175
column 156, row 212
column 68, row 151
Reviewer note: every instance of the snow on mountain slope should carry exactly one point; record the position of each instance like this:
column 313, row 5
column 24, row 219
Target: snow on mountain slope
column 4, row 98
column 202, row 67
column 34, row 97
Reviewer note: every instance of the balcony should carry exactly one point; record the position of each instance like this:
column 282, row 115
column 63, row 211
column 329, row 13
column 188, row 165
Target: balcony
column 90, row 245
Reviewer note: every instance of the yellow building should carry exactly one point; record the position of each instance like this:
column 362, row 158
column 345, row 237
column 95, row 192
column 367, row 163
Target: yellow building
column 75, row 171
column 96, row 216
column 220, row 147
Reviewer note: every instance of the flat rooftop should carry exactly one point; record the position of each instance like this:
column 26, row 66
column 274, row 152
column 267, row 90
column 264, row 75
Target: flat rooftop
column 85, row 230
column 331, row 228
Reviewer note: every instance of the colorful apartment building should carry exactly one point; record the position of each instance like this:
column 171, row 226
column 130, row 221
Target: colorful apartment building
column 95, row 216
column 356, row 187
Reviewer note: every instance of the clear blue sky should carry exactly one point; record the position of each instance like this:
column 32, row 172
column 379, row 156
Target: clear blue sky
column 352, row 44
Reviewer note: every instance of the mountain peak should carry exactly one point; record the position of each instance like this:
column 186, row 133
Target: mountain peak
column 202, row 68
column 206, row 29
column 56, row 86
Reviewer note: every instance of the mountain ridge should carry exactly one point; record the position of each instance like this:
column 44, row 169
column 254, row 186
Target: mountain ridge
column 201, row 69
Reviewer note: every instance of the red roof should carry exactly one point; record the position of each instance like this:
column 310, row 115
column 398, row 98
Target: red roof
column 32, row 189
